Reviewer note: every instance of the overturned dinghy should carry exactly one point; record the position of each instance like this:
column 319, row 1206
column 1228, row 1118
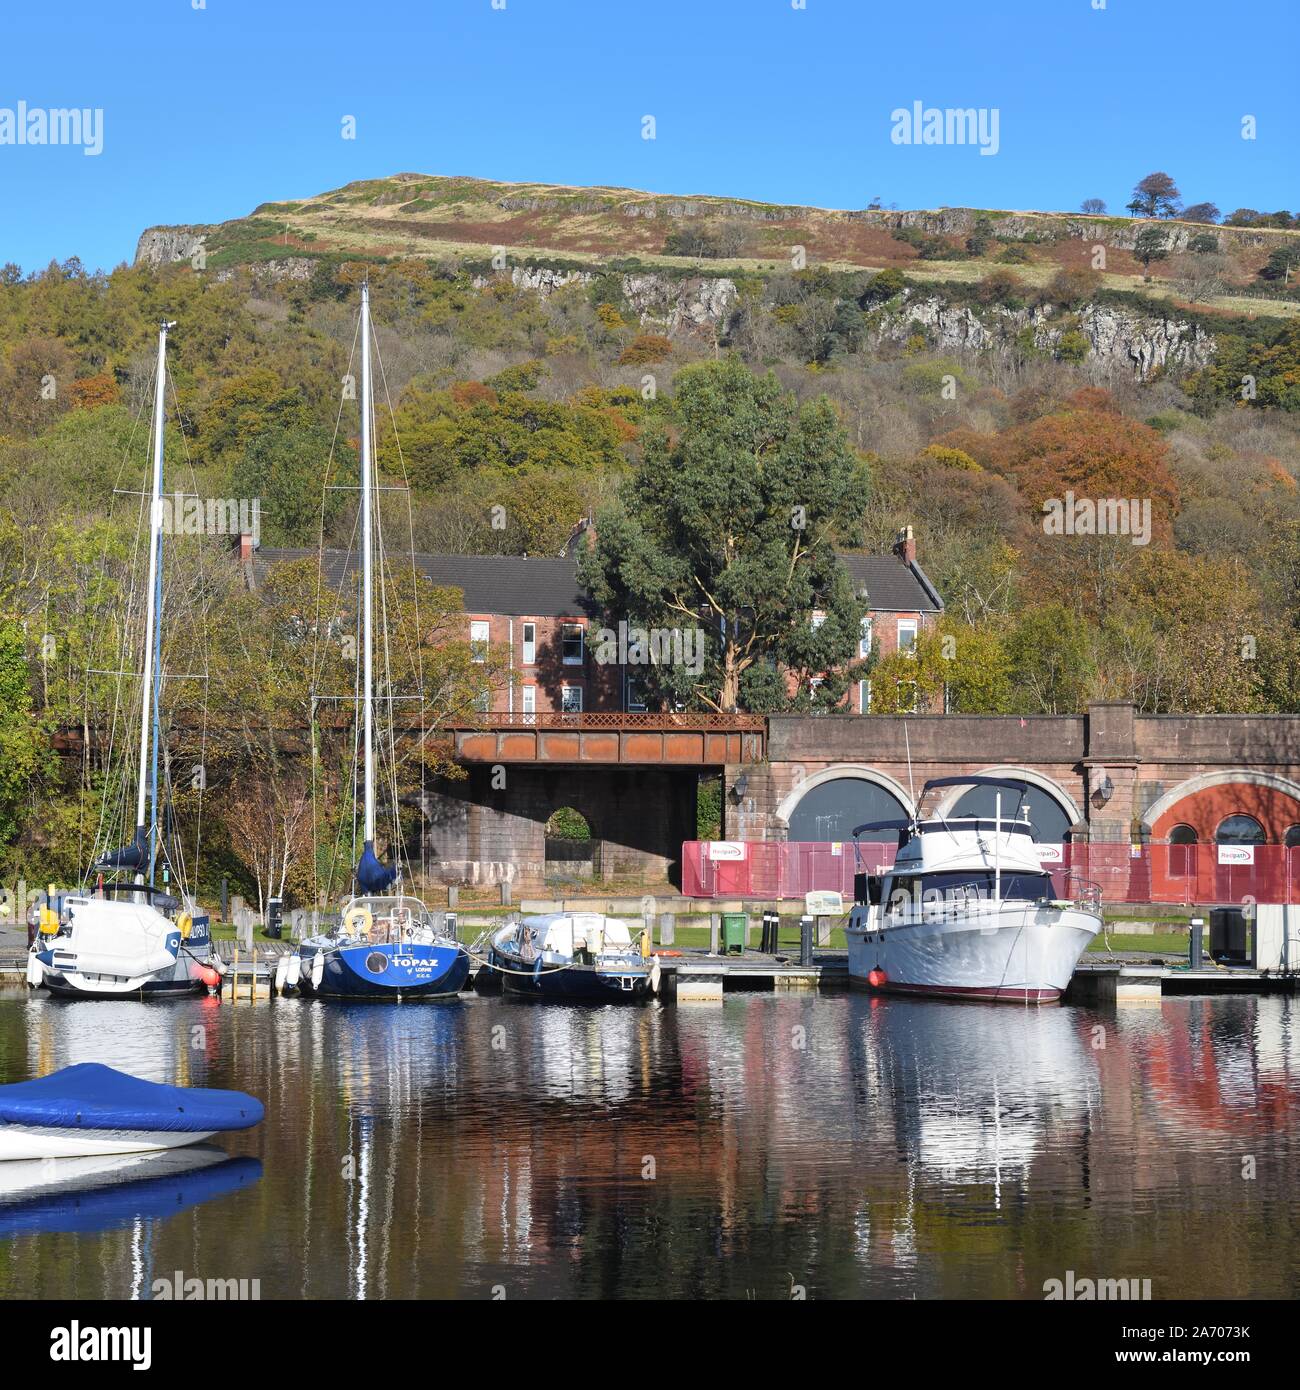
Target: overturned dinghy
column 87, row 1110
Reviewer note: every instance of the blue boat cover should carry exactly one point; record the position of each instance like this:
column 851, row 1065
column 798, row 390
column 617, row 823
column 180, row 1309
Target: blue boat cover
column 91, row 1096
column 132, row 856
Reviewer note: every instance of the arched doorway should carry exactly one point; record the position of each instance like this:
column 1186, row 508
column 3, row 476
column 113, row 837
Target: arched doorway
column 1212, row 836
column 829, row 806
column 572, row 852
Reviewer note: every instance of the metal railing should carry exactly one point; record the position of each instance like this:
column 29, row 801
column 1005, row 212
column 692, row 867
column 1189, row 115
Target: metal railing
column 704, row 721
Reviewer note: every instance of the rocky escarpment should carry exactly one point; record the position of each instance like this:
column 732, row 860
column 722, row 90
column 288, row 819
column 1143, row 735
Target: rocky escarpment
column 1119, row 340
column 166, row 245
column 672, row 304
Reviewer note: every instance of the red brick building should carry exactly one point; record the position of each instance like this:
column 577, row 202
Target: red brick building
column 532, row 612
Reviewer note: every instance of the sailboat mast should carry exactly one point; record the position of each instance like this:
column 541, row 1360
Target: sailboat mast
column 366, row 563
column 151, row 612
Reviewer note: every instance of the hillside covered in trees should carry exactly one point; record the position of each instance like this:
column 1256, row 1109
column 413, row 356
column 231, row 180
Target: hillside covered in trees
column 520, row 393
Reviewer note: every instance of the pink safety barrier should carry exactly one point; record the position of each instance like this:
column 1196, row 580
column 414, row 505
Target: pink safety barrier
column 1180, row 874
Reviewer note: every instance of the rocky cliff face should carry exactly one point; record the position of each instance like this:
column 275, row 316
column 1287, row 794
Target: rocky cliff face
column 671, row 304
column 1119, row 340
column 165, row 245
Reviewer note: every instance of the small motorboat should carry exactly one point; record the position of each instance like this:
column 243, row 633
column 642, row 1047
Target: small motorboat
column 87, row 1110
column 574, row 956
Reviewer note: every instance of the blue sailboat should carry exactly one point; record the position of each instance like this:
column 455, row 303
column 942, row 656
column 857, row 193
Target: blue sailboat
column 387, row 946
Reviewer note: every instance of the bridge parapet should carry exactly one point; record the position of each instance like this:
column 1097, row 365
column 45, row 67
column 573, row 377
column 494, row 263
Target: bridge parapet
column 605, row 737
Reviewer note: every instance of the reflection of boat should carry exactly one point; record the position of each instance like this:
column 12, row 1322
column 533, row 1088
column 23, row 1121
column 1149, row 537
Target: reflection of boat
column 967, row 910
column 977, row 1093
column 85, row 1195
column 384, row 947
column 132, row 938
column 574, row 956
column 89, row 1110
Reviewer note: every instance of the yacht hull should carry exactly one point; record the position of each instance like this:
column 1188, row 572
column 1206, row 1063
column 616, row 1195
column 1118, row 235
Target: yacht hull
column 1024, row 955
column 383, row 972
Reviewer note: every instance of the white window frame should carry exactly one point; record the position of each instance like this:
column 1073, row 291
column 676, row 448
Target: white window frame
column 528, row 701
column 866, row 637
column 529, row 644
column 568, row 693
column 916, row 698
column 565, row 629
column 817, row 619
column 909, row 625
column 864, row 697
column 480, row 638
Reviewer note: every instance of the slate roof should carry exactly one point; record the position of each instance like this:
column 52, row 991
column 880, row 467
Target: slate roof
column 543, row 587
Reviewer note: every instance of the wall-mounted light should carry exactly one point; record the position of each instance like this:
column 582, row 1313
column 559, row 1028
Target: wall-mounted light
column 739, row 787
column 1104, row 789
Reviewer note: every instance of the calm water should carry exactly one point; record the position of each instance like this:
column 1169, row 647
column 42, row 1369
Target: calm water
column 856, row 1147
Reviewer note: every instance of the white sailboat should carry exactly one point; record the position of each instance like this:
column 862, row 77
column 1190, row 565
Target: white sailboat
column 130, row 937
column 387, row 946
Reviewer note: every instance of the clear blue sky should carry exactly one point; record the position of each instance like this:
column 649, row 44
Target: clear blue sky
column 208, row 112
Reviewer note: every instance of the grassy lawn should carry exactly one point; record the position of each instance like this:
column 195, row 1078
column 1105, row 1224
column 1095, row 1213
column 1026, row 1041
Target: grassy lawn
column 1160, row 943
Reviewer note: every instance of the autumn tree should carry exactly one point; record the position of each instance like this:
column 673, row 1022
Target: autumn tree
column 1155, row 196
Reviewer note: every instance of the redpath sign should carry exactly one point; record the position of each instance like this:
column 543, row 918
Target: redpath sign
column 731, row 850
column 1236, row 854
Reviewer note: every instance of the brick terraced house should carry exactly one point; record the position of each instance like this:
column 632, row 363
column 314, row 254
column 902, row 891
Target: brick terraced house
column 534, row 613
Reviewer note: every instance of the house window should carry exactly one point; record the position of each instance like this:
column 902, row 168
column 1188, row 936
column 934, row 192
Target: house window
column 530, row 644
column 633, row 693
column 864, row 697
column 529, row 694
column 571, row 644
column 483, row 701
column 479, row 634
column 571, row 699
column 864, row 640
column 907, row 697
column 906, row 634
column 817, row 620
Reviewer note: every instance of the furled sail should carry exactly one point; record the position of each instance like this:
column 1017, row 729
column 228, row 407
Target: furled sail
column 373, row 876
column 132, row 856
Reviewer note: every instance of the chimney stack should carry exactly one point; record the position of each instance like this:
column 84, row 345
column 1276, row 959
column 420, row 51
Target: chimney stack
column 905, row 546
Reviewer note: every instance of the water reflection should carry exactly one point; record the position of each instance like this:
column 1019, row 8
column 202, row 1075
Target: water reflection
column 857, row 1147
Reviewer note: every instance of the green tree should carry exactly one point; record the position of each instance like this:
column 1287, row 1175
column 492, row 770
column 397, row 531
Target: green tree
column 726, row 529
column 1150, row 246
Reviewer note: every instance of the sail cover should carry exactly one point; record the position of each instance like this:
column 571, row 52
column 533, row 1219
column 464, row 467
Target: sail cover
column 373, row 876
column 132, row 856
column 92, row 1096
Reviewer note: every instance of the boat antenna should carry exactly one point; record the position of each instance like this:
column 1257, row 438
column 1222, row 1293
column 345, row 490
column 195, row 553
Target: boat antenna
column 911, row 784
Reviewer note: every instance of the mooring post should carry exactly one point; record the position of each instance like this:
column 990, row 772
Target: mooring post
column 1196, row 943
column 225, row 899
column 505, row 892
column 805, row 940
column 715, row 932
column 667, row 928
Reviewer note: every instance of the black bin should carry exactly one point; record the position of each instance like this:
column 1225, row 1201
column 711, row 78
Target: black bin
column 1228, row 935
column 274, row 918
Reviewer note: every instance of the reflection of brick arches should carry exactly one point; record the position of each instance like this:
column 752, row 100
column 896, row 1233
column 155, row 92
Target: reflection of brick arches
column 1202, row 804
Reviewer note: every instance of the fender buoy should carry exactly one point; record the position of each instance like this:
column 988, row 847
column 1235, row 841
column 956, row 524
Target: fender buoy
column 209, row 977
column 877, row 978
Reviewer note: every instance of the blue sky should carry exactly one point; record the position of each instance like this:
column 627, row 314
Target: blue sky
column 208, row 112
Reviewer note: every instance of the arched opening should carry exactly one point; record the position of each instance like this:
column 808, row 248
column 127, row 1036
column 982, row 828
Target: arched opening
column 1182, row 853
column 830, row 809
column 1239, row 829
column 1049, row 817
column 572, row 852
column 1292, row 837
